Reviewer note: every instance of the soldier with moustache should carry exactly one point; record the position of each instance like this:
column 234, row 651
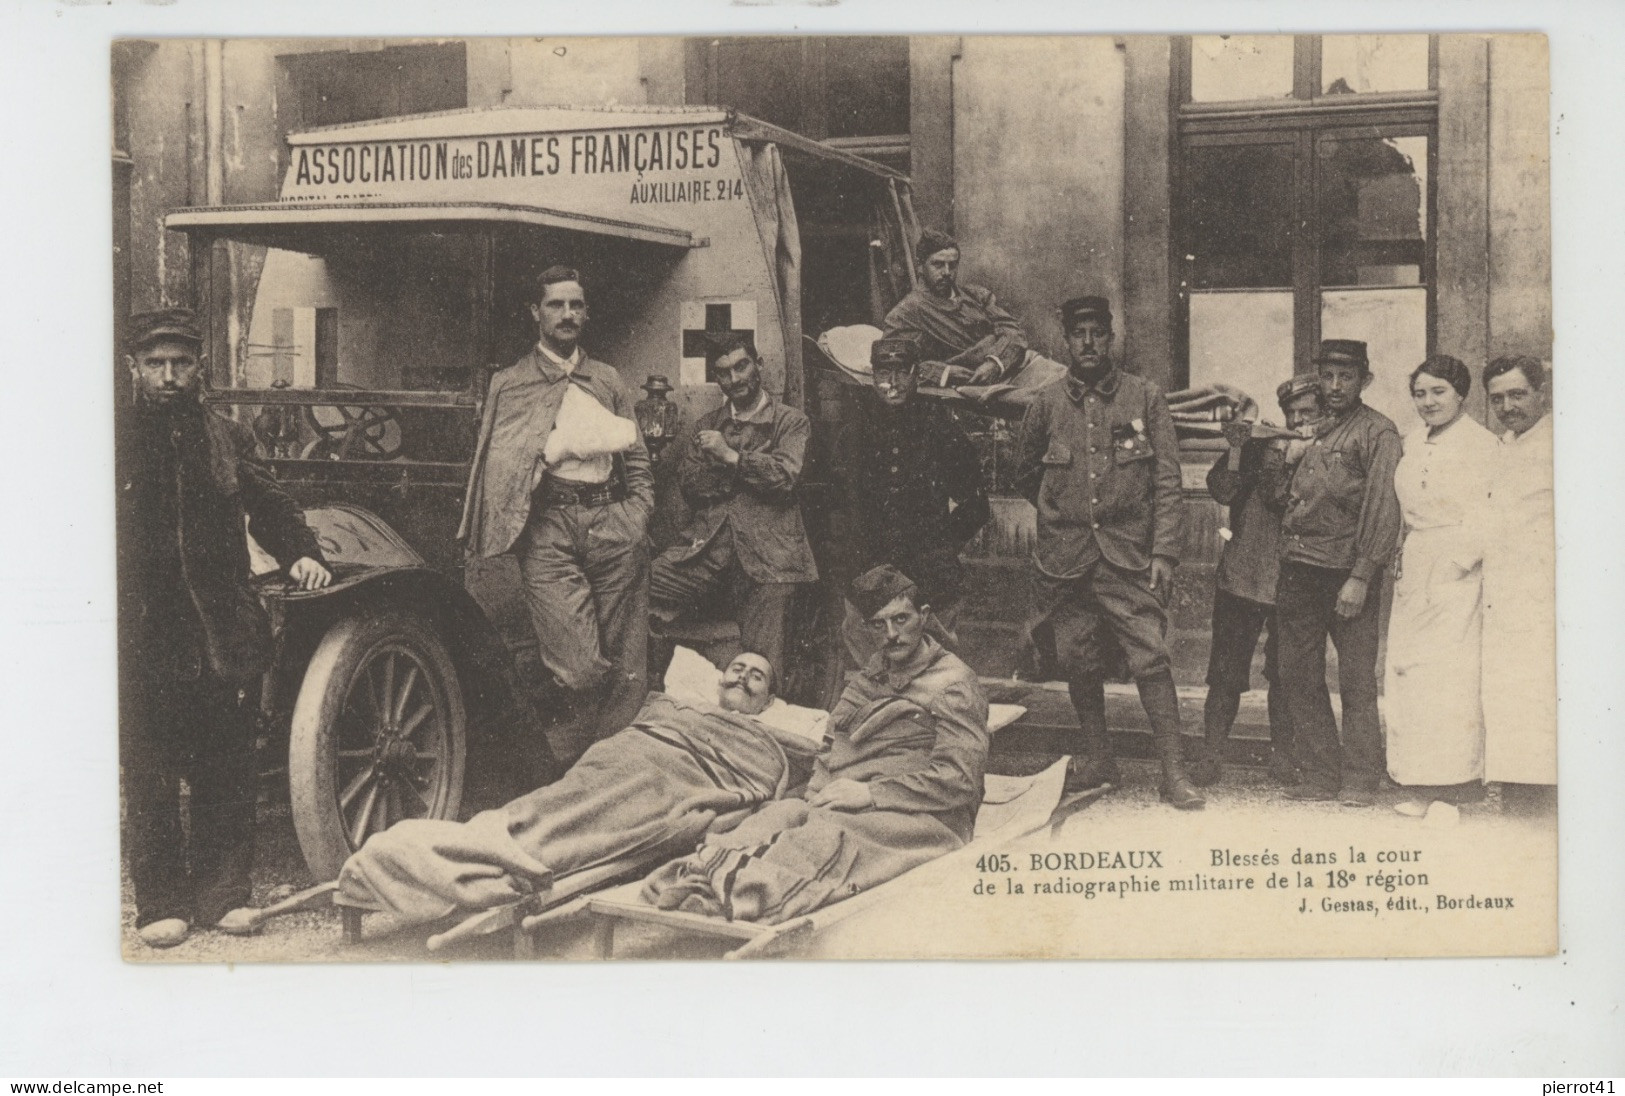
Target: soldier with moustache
column 1098, row 457
column 738, row 472
column 561, row 481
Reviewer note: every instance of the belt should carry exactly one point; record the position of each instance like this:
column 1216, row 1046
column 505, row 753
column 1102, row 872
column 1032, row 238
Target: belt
column 557, row 492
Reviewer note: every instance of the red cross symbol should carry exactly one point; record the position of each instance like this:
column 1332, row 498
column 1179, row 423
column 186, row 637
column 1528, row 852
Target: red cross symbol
column 703, row 342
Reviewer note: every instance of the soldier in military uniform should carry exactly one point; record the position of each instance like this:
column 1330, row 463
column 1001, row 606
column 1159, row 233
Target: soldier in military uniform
column 913, row 489
column 1098, row 457
column 738, row 472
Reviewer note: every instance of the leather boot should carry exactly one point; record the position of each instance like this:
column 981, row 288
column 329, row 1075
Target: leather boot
column 1161, row 703
column 1092, row 767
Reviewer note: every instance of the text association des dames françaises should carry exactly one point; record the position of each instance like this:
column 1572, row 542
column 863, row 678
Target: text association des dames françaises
column 627, row 151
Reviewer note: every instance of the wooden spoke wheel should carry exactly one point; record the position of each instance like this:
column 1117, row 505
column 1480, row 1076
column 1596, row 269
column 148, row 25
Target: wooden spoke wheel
column 379, row 734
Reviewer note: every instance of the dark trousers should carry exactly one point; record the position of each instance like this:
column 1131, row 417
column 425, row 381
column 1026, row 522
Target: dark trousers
column 1237, row 623
column 1305, row 611
column 200, row 732
column 677, row 586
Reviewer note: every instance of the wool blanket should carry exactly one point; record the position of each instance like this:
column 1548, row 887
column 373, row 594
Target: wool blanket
column 649, row 792
column 789, row 858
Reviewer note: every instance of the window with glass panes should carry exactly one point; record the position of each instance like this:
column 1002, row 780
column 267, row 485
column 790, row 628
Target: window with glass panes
column 1304, row 183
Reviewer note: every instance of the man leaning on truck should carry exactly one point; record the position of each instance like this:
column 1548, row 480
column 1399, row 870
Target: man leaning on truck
column 561, row 479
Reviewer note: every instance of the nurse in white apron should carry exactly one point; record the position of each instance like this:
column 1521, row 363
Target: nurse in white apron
column 1434, row 713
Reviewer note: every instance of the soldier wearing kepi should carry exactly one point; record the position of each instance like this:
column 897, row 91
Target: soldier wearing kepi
column 1341, row 526
column 913, row 487
column 1098, row 457
column 193, row 637
column 1246, row 480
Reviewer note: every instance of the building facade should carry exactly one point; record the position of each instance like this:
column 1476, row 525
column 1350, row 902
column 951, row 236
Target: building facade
column 1238, row 198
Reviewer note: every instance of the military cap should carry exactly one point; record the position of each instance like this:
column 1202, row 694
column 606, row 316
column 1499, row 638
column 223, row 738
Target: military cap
column 897, row 351
column 877, row 588
column 147, row 328
column 1343, row 352
column 1085, row 308
column 931, row 241
column 1297, row 386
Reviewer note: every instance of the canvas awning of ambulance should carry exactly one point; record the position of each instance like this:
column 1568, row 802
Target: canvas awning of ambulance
column 316, row 211
column 313, row 227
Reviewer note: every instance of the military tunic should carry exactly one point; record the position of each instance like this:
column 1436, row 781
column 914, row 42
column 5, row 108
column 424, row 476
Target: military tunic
column 1342, row 521
column 1101, row 464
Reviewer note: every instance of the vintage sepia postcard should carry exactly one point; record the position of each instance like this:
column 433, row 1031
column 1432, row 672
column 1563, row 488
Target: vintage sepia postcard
column 835, row 497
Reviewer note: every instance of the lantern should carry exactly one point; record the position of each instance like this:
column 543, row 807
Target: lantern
column 657, row 416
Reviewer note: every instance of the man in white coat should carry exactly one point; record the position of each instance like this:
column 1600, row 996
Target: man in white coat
column 1520, row 600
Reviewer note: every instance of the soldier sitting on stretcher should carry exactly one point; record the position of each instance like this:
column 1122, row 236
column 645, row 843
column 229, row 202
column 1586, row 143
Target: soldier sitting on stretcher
column 970, row 342
column 898, row 782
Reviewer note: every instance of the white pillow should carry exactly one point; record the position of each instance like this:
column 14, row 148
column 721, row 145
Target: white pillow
column 693, row 679
column 848, row 347
column 807, row 724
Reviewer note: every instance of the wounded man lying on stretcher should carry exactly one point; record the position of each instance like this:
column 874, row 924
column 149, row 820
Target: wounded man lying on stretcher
column 898, row 783
column 704, row 750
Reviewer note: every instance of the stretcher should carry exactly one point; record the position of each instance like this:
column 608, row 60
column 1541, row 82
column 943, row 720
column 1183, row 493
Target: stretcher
column 548, row 892
column 1002, row 802
column 563, row 890
column 843, row 353
column 1205, row 411
column 1013, row 807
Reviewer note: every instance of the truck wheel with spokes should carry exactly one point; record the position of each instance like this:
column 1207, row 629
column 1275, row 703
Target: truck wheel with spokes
column 379, row 734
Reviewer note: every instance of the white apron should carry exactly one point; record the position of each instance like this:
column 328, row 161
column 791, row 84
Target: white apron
column 1434, row 718
column 1520, row 613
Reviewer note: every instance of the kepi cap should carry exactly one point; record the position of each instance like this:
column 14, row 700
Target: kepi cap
column 896, row 352
column 147, row 328
column 1297, row 386
column 1085, row 308
column 1343, row 352
column 877, row 588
